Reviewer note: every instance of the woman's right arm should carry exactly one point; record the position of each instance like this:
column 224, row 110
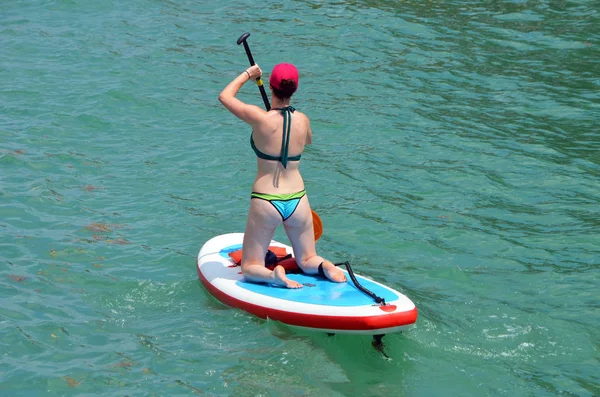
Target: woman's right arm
column 249, row 113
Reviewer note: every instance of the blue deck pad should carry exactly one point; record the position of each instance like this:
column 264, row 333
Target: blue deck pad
column 324, row 292
column 319, row 291
column 232, row 248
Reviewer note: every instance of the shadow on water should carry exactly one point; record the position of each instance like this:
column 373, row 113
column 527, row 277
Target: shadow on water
column 365, row 371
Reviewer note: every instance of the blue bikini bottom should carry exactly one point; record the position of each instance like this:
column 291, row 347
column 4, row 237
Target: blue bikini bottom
column 285, row 204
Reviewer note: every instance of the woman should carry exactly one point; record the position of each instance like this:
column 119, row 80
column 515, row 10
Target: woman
column 278, row 196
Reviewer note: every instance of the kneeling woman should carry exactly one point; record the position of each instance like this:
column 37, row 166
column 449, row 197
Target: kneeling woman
column 278, row 196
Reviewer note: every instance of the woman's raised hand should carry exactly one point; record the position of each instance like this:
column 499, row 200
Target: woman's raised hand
column 254, row 72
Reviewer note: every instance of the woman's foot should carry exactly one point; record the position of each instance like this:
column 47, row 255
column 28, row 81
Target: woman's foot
column 332, row 272
column 279, row 278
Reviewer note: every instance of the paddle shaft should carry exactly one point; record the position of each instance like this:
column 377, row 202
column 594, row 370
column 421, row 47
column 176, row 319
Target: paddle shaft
column 259, row 82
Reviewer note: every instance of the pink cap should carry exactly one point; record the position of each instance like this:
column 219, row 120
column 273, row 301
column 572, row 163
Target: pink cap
column 283, row 71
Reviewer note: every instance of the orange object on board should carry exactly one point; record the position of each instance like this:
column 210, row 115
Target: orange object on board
column 289, row 264
column 317, row 225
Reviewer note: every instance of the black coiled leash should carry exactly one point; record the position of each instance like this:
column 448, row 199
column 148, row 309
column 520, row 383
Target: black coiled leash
column 377, row 298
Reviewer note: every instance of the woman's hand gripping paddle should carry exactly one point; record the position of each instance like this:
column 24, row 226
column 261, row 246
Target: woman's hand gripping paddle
column 317, row 224
column 259, row 83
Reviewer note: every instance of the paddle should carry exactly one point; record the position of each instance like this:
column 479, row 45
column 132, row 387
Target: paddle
column 317, row 224
column 259, row 83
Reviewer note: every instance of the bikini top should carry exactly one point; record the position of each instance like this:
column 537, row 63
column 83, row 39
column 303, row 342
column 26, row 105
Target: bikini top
column 286, row 112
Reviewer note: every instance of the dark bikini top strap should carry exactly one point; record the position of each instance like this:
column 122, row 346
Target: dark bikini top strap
column 285, row 141
column 286, row 112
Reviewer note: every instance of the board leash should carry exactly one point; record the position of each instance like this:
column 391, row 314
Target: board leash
column 377, row 298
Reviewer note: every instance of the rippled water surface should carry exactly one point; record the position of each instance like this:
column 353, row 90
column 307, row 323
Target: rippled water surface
column 456, row 158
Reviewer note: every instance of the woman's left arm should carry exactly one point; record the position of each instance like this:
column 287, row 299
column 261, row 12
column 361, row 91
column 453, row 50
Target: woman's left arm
column 249, row 113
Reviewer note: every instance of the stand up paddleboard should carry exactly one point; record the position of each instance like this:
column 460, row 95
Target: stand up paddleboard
column 359, row 306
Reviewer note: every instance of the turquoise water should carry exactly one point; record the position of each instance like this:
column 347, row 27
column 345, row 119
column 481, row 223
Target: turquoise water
column 456, row 158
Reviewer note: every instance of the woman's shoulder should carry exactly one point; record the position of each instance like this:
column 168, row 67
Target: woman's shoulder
column 300, row 114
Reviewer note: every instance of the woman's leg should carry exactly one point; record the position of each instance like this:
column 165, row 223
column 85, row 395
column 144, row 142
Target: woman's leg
column 263, row 219
column 299, row 229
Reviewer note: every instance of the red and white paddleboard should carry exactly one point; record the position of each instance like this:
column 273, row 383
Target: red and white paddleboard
column 320, row 305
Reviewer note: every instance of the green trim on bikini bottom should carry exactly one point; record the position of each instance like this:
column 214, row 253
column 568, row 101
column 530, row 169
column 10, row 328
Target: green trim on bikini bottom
column 279, row 197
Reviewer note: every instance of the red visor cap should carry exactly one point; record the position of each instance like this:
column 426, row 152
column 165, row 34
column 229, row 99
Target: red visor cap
column 283, row 71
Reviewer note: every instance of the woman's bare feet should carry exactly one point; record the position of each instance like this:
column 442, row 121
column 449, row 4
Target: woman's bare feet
column 279, row 278
column 333, row 273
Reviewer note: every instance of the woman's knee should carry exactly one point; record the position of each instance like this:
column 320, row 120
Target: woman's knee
column 251, row 267
column 309, row 263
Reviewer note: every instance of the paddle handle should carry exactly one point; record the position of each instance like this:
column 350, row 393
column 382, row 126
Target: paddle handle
column 259, row 82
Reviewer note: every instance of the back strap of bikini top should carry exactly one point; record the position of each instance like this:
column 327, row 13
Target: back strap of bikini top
column 286, row 112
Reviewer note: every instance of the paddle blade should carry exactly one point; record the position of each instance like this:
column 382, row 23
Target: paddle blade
column 317, row 225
